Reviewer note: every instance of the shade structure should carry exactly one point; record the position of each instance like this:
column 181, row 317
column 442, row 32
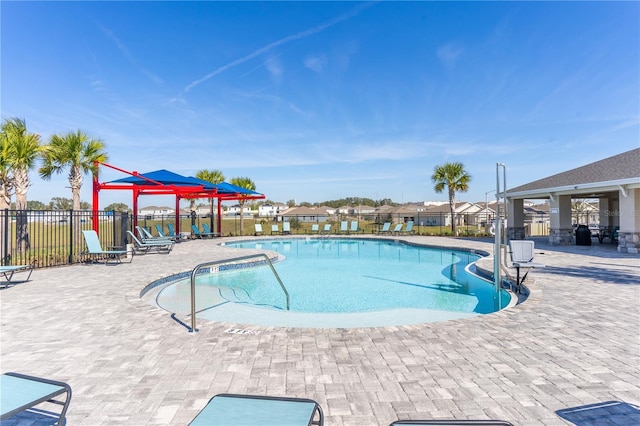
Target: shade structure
column 165, row 182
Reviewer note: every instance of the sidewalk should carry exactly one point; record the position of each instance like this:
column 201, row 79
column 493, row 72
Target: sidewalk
column 573, row 343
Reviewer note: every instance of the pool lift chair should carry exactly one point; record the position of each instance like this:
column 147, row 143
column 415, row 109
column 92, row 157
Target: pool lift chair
column 20, row 393
column 521, row 252
column 237, row 409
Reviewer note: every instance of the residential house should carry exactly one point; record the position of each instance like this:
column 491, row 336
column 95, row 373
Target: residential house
column 305, row 214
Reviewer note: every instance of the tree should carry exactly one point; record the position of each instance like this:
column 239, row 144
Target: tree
column 77, row 151
column 213, row 176
column 61, row 203
column 22, row 152
column 118, row 207
column 453, row 177
column 36, row 205
column 246, row 183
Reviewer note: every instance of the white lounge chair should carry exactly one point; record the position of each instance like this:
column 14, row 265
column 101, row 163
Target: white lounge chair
column 286, row 227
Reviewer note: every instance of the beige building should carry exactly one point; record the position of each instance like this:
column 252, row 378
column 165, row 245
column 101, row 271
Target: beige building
column 614, row 182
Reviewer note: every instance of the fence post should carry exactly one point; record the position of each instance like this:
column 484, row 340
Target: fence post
column 5, row 238
column 70, row 236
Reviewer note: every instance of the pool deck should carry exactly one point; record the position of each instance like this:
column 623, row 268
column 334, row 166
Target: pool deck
column 575, row 343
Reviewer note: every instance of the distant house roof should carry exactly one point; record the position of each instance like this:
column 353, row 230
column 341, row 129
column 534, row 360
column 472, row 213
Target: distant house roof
column 617, row 170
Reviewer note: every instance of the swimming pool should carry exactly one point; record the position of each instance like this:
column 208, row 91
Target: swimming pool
column 340, row 282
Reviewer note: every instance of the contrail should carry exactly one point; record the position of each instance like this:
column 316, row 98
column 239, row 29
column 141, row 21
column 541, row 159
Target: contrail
column 280, row 42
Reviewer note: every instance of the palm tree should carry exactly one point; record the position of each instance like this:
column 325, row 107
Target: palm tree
column 77, row 151
column 213, row 176
column 455, row 178
column 21, row 155
column 246, row 183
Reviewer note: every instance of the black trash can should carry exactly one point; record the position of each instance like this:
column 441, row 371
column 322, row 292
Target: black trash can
column 583, row 236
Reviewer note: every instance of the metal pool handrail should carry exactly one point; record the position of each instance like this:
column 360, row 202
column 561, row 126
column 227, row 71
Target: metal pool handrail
column 195, row 270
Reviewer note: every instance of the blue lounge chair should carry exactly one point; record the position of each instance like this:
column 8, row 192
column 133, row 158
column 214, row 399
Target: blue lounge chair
column 207, row 231
column 145, row 236
column 451, row 423
column 234, row 409
column 397, row 229
column 161, row 234
column 386, row 228
column 19, row 393
column 286, row 228
column 315, row 228
column 408, row 228
column 8, row 271
column 258, row 229
column 354, row 227
column 344, row 227
column 149, row 246
column 327, row 228
column 95, row 249
column 275, row 229
column 200, row 234
column 172, row 232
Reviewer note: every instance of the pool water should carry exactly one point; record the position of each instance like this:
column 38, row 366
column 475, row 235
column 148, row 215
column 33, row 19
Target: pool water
column 336, row 276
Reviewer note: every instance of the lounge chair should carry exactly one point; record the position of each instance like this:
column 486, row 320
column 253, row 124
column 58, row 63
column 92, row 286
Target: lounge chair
column 19, row 393
column 327, row 228
column 172, row 233
column 234, row 409
column 354, row 227
column 146, row 236
column 344, row 227
column 207, row 231
column 286, row 228
column 8, row 271
column 315, row 228
column 275, row 229
column 397, row 229
column 161, row 234
column 408, row 228
column 521, row 252
column 258, row 229
column 451, row 422
column 95, row 249
column 386, row 228
column 148, row 246
column 201, row 234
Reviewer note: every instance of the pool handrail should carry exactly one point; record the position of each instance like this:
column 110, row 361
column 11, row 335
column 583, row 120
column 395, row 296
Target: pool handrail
column 195, row 270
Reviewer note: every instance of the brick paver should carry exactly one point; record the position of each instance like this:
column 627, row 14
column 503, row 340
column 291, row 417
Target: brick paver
column 575, row 342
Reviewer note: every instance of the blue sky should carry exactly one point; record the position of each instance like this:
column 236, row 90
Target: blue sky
column 323, row 100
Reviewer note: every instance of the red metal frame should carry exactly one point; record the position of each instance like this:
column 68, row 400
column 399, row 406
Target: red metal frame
column 158, row 188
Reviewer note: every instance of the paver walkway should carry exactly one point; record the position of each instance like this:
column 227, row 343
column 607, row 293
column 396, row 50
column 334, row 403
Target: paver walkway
column 574, row 343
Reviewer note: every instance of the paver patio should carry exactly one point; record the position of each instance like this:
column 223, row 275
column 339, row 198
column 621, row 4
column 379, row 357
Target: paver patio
column 574, row 342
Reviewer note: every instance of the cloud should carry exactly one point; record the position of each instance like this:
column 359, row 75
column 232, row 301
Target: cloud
column 317, row 63
column 298, row 36
column 449, row 54
column 274, row 66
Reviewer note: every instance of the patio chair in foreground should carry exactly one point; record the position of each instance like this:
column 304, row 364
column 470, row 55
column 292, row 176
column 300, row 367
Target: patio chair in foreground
column 19, row 393
column 451, row 422
column 95, row 249
column 521, row 252
column 148, row 246
column 8, row 271
column 235, row 409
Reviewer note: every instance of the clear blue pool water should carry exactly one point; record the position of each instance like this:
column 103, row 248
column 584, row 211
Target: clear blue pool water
column 340, row 276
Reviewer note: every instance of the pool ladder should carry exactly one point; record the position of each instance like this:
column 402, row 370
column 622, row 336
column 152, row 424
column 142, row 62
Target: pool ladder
column 195, row 271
